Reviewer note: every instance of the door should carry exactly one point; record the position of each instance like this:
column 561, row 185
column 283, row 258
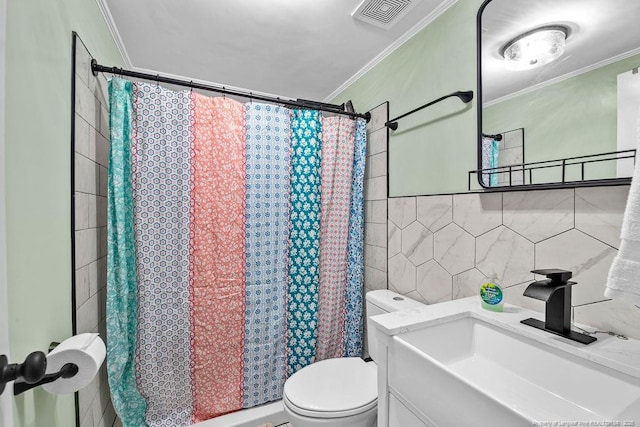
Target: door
column 6, row 405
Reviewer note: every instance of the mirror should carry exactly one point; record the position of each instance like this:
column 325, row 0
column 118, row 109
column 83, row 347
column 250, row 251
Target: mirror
column 564, row 73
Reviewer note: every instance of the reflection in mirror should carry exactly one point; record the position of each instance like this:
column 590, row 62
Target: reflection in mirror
column 499, row 152
column 550, row 68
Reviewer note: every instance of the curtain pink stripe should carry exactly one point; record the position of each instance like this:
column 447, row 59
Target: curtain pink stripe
column 338, row 139
column 217, row 255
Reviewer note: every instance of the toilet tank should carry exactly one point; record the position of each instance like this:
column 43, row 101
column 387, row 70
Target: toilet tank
column 380, row 302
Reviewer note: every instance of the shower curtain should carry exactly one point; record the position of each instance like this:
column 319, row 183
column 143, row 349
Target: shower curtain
column 235, row 250
column 490, row 155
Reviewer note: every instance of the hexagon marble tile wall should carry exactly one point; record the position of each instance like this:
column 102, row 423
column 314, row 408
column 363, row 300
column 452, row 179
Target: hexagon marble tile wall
column 441, row 247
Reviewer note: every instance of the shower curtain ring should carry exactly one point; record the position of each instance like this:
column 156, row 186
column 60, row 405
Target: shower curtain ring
column 224, row 92
column 191, row 85
column 157, row 80
column 251, row 98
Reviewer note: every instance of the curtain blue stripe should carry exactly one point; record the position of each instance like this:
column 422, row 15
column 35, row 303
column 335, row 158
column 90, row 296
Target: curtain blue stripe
column 122, row 293
column 304, row 239
column 355, row 263
column 267, row 232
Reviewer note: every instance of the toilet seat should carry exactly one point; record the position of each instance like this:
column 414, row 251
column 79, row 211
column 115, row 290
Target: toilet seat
column 333, row 388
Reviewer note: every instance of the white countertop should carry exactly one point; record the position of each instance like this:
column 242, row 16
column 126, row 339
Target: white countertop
column 615, row 353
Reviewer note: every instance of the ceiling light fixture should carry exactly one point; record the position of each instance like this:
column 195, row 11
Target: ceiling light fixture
column 535, row 48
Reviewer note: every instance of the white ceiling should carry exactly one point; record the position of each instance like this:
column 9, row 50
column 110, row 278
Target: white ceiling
column 600, row 30
column 293, row 48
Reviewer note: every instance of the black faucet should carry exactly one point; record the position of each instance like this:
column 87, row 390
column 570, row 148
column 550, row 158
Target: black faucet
column 556, row 293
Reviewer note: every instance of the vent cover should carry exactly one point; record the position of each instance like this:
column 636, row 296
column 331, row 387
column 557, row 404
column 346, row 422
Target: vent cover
column 383, row 13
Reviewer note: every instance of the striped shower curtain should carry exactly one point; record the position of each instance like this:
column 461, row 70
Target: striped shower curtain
column 235, row 250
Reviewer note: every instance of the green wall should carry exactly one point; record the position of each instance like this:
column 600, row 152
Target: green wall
column 574, row 117
column 432, row 150
column 38, row 105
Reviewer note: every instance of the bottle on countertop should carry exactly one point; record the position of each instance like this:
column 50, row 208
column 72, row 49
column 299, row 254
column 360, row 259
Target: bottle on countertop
column 491, row 294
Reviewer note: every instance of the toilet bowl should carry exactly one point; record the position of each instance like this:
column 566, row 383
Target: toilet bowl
column 341, row 392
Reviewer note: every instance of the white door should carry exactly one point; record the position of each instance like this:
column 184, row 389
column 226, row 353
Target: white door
column 6, row 405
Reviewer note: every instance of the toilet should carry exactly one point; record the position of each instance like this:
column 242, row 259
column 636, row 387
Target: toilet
column 342, row 392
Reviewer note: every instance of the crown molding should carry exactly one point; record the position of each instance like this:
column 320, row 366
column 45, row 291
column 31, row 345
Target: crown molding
column 435, row 13
column 563, row 77
column 113, row 29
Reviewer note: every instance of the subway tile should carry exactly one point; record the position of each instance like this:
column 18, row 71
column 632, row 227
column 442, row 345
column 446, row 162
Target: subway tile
column 538, row 215
column 81, row 211
column 375, row 279
column 94, row 277
column 92, row 210
column 87, row 175
column 87, row 105
column 101, row 211
column 376, row 235
column 103, row 180
column 82, row 285
column 402, row 211
column 102, row 271
column 86, row 396
column 377, row 165
column 378, row 117
column 84, row 136
column 83, row 63
column 375, row 188
column 86, row 246
column 377, row 142
column 102, row 244
column 376, row 211
column 104, row 120
column 102, row 150
column 375, row 257
column 87, row 315
column 102, row 303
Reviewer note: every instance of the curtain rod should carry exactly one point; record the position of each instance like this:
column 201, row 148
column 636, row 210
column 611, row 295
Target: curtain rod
column 465, row 96
column 300, row 103
column 496, row 137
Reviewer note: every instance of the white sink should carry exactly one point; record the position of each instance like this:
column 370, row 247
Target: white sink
column 461, row 370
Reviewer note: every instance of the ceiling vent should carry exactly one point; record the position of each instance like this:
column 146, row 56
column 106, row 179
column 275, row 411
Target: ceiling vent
column 383, row 13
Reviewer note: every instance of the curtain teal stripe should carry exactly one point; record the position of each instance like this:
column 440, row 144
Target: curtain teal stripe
column 304, row 239
column 267, row 232
column 122, row 295
column 355, row 262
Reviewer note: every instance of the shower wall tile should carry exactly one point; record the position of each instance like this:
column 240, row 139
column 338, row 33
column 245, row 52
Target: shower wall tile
column 538, row 215
column 402, row 211
column 375, row 195
column 509, row 234
column 477, row 213
column 588, row 259
column 91, row 135
column 435, row 212
column 599, row 213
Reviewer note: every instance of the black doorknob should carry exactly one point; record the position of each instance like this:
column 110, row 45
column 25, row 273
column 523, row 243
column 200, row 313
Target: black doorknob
column 31, row 371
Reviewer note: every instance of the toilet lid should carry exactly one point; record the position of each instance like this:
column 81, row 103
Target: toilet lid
column 333, row 388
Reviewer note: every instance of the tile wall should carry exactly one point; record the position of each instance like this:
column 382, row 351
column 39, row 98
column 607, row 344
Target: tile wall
column 91, row 159
column 441, row 247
